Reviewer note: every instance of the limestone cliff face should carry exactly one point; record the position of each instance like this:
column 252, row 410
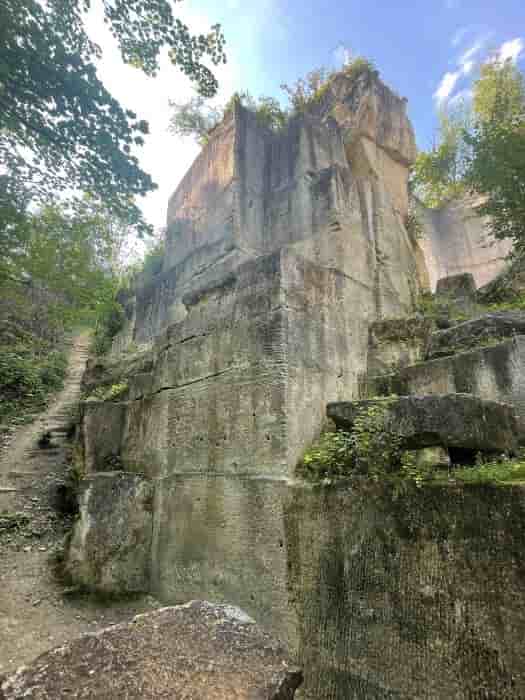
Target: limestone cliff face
column 332, row 187
column 456, row 240
column 282, row 250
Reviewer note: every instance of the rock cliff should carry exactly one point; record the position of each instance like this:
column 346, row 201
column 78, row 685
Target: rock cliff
column 286, row 253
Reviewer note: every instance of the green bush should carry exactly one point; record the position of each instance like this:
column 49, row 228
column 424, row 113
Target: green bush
column 26, row 379
column 110, row 322
column 332, row 455
column 53, row 370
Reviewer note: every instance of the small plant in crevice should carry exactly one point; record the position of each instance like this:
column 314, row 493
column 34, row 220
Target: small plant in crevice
column 330, row 456
column 109, row 393
column 413, row 225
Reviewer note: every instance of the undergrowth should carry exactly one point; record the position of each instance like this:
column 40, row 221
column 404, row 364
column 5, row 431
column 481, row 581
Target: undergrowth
column 375, row 451
column 29, row 373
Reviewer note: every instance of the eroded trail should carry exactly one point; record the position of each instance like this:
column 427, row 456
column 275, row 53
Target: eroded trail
column 35, row 613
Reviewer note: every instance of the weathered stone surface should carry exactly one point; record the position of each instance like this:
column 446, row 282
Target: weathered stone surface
column 450, row 420
column 102, row 432
column 456, row 240
column 398, row 342
column 484, row 330
column 457, row 287
column 110, row 546
column 251, row 192
column 200, row 650
column 418, row 595
column 508, row 285
column 494, row 372
column 240, row 386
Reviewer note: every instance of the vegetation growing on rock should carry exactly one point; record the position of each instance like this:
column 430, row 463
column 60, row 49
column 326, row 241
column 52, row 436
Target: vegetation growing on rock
column 482, row 150
column 198, row 119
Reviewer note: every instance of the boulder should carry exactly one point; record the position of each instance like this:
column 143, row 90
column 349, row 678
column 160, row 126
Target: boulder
column 484, row 330
column 198, row 651
column 451, row 420
column 110, row 547
column 460, row 286
column 102, row 429
column 397, row 342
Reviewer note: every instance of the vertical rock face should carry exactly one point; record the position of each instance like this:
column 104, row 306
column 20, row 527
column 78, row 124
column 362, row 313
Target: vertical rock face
column 283, row 250
column 110, row 548
column 456, row 240
column 330, row 187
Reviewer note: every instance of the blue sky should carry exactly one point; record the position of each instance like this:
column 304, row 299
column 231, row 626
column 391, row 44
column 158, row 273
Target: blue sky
column 426, row 51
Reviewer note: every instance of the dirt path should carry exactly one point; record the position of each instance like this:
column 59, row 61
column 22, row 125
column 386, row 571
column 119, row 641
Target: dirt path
column 35, row 611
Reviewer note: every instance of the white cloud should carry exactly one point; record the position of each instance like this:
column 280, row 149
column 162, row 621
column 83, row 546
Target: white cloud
column 467, row 56
column 468, row 67
column 511, row 49
column 446, row 86
column 466, row 64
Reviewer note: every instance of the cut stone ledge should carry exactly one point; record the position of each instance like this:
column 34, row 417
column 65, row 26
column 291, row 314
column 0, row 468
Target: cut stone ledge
column 199, row 650
column 450, row 420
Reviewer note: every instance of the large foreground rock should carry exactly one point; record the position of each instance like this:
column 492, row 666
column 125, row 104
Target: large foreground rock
column 197, row 651
column 452, row 420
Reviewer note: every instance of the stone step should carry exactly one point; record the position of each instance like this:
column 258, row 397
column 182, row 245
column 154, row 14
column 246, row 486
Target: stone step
column 493, row 373
column 459, row 421
column 487, row 329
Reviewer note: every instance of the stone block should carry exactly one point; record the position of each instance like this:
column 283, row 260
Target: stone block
column 102, row 433
column 199, row 650
column 457, row 287
column 488, row 329
column 395, row 343
column 241, row 384
column 456, row 240
column 494, row 372
column 451, row 420
column 330, row 571
column 110, row 546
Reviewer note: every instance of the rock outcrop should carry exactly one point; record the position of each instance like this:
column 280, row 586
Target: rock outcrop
column 289, row 281
column 110, row 549
column 456, row 240
column 451, row 420
column 485, row 330
column 198, row 650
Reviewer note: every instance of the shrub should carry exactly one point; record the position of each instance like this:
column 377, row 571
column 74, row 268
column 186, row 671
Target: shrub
column 332, row 455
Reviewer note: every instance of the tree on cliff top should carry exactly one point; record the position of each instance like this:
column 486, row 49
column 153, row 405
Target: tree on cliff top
column 197, row 119
column 60, row 129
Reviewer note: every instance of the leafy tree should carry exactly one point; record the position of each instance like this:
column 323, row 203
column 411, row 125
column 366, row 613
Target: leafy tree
column 60, row 129
column 480, row 149
column 197, row 119
column 306, row 90
column 499, row 92
column 438, row 175
column 497, row 165
column 194, row 118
